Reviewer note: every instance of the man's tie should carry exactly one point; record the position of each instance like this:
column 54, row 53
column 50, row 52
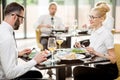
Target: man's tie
column 52, row 20
column 14, row 39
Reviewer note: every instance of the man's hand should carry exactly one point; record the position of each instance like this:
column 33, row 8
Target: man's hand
column 25, row 51
column 40, row 57
column 85, row 26
column 48, row 26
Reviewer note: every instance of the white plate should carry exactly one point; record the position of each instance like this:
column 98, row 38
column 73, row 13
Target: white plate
column 69, row 57
column 67, row 54
column 80, row 56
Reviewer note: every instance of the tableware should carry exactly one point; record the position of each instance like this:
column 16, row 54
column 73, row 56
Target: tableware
column 52, row 47
column 67, row 54
column 59, row 41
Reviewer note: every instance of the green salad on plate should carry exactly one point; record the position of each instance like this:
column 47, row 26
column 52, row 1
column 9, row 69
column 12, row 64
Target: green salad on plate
column 78, row 50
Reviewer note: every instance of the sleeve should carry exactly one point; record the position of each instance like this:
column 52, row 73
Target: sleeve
column 9, row 57
column 60, row 24
column 109, row 41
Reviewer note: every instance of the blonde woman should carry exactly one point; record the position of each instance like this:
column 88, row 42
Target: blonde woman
column 109, row 20
column 101, row 47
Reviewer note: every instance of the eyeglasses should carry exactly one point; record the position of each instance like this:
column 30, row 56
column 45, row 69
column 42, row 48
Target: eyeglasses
column 93, row 17
column 20, row 16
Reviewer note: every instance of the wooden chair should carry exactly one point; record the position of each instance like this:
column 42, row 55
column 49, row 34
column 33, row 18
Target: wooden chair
column 117, row 52
column 38, row 34
column 115, row 31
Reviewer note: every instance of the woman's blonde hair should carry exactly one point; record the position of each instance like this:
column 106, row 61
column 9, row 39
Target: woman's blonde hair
column 102, row 8
column 104, row 5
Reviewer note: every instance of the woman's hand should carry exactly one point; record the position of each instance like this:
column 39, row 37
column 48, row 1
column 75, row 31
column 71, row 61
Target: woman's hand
column 25, row 51
column 77, row 45
column 91, row 50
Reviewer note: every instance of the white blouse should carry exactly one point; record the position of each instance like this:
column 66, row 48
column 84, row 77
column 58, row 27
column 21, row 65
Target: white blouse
column 102, row 40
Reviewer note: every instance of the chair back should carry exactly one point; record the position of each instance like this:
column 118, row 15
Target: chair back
column 117, row 52
column 38, row 34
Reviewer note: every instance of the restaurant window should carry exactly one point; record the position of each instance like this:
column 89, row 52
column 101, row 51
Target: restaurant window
column 83, row 12
column 34, row 9
column 66, row 11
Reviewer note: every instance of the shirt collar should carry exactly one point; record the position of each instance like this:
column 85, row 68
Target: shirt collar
column 51, row 16
column 99, row 30
column 8, row 26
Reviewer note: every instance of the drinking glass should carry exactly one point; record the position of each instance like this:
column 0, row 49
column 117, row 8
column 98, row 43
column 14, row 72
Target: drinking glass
column 52, row 47
column 75, row 27
column 59, row 40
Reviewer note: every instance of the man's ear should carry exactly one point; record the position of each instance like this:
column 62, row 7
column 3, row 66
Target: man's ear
column 14, row 16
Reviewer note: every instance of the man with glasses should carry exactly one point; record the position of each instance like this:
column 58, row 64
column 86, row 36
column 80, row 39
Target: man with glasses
column 9, row 67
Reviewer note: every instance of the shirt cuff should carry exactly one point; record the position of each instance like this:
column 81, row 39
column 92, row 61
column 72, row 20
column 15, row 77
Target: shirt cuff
column 33, row 62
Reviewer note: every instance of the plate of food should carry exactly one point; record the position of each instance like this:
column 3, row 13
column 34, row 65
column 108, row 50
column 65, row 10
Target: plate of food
column 71, row 56
column 32, row 54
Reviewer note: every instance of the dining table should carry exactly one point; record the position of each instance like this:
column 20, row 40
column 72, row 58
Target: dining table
column 61, row 63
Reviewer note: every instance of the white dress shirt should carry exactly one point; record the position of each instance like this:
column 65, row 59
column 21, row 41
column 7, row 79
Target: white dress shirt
column 9, row 67
column 47, row 20
column 102, row 40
